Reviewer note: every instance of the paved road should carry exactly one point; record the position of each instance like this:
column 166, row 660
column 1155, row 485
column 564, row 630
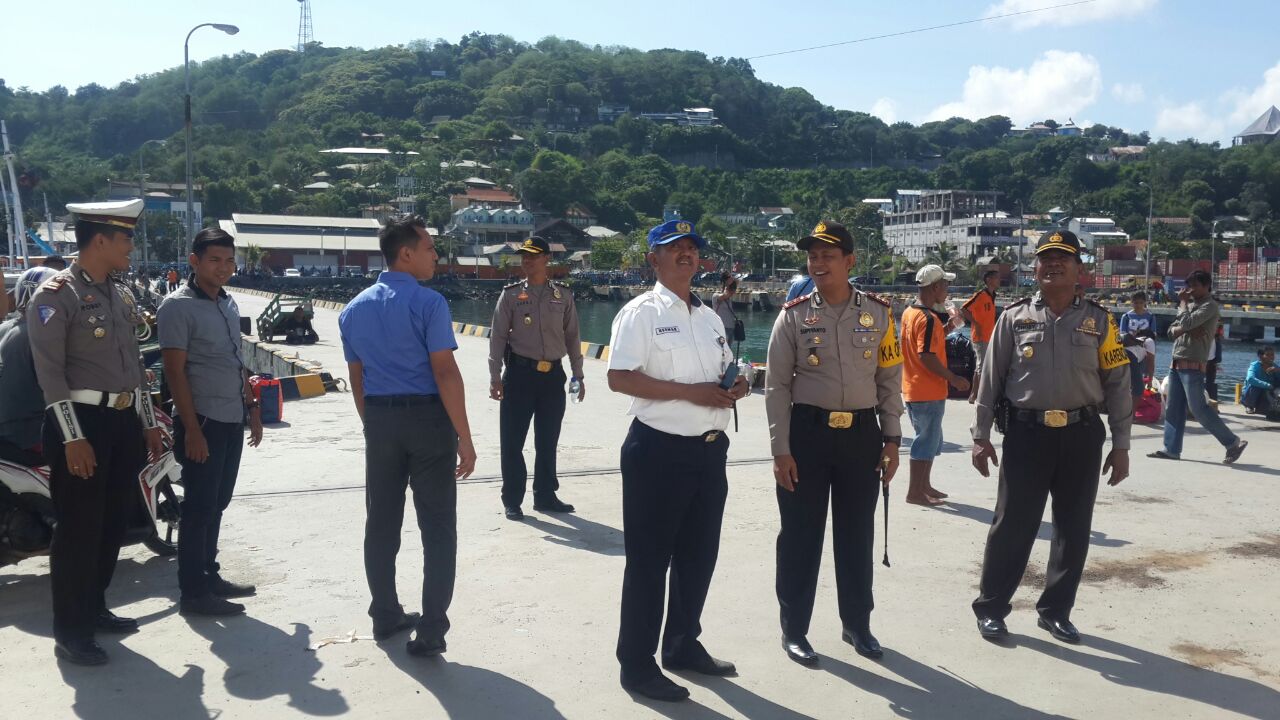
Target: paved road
column 1178, row 605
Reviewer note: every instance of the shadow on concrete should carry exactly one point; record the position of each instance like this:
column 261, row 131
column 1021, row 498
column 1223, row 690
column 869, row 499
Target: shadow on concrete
column 947, row 446
column 745, row 702
column 264, row 661
column 1132, row 667
column 27, row 597
column 132, row 686
column 933, row 693
column 580, row 533
column 472, row 693
column 1097, row 538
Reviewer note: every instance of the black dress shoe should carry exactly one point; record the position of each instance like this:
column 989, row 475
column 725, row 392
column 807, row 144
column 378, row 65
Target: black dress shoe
column 514, row 513
column 406, row 622
column 109, row 622
column 227, row 589
column 80, row 652
column 1061, row 629
column 701, row 662
column 800, row 650
column 209, row 606
column 655, row 687
column 992, row 628
column 863, row 641
column 552, row 504
column 426, row 648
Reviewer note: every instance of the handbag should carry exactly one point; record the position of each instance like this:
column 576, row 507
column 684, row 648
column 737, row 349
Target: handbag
column 739, row 330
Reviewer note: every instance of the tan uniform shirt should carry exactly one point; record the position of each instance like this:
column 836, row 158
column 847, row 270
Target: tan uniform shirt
column 82, row 335
column 856, row 363
column 1043, row 362
column 539, row 322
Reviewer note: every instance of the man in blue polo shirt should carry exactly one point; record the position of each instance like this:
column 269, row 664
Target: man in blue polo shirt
column 399, row 345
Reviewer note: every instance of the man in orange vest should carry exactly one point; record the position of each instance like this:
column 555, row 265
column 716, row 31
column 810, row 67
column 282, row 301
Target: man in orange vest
column 980, row 312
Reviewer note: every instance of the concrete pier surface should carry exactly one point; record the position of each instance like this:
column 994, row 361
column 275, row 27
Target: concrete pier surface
column 1178, row 607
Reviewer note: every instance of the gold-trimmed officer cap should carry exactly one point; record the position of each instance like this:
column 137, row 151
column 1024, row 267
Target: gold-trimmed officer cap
column 830, row 233
column 1063, row 240
column 535, row 246
column 121, row 214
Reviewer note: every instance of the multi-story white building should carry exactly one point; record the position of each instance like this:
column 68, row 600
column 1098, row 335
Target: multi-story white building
column 489, row 226
column 1095, row 232
column 966, row 220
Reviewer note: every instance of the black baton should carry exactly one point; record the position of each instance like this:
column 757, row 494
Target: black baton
column 885, row 491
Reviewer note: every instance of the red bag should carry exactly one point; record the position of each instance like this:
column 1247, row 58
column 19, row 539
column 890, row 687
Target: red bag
column 1148, row 409
column 267, row 391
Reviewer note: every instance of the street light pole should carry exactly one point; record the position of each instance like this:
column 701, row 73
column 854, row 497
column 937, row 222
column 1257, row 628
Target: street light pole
column 142, row 193
column 1213, row 245
column 1022, row 240
column 1146, row 255
column 186, row 81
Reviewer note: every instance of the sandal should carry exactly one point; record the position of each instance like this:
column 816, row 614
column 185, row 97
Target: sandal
column 1162, row 455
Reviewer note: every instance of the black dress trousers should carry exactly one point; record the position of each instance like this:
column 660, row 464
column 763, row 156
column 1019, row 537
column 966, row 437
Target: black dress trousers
column 673, row 494
column 530, row 396
column 837, row 466
column 1039, row 462
column 92, row 515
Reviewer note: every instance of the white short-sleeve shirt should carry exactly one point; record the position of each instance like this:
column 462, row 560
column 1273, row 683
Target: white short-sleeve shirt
column 662, row 337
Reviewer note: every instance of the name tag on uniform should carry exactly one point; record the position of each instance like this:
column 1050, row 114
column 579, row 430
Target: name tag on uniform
column 667, row 330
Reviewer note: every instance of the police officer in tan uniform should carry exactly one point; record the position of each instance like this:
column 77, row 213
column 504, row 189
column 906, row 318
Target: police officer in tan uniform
column 834, row 405
column 82, row 323
column 1054, row 365
column 535, row 324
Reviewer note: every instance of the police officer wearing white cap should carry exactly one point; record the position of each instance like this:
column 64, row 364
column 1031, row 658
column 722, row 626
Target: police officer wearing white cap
column 669, row 351
column 82, row 323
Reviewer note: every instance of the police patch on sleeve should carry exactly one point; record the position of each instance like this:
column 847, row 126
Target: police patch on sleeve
column 46, row 313
column 890, row 351
column 1111, row 352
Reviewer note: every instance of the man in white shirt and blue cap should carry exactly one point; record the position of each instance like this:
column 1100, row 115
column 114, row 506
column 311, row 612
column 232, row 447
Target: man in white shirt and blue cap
column 668, row 351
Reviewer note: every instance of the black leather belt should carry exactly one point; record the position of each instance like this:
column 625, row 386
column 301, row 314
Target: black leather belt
column 400, row 400
column 542, row 366
column 838, row 419
column 1054, row 418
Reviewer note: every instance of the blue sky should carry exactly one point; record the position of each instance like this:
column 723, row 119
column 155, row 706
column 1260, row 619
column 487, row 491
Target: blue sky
column 1179, row 68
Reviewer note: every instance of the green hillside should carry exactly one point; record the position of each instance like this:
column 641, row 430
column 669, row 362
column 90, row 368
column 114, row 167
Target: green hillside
column 262, row 120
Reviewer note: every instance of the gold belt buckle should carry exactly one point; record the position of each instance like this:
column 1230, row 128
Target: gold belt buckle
column 711, row 436
column 544, row 366
column 1055, row 418
column 122, row 401
column 840, row 420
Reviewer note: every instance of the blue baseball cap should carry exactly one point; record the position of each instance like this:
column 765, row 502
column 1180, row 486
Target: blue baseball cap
column 672, row 231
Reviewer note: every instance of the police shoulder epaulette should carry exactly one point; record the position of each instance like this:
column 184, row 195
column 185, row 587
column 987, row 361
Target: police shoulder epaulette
column 561, row 283
column 56, row 283
column 508, row 287
column 1023, row 301
column 797, row 301
column 878, row 299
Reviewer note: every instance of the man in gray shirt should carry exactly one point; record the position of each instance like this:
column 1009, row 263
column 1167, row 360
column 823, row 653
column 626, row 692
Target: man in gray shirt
column 1192, row 334
column 199, row 326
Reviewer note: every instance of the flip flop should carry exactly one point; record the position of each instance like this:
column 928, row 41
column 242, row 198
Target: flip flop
column 1162, row 455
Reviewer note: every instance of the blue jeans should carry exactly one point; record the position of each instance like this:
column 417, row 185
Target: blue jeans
column 207, row 490
column 1186, row 387
column 926, row 418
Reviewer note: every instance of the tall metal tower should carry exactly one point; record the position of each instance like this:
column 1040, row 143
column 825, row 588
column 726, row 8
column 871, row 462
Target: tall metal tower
column 304, row 25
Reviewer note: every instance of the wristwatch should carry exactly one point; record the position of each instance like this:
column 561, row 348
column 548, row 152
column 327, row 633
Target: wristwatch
column 891, row 439
column 254, row 403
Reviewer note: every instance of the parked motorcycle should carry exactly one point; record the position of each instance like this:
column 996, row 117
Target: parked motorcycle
column 26, row 506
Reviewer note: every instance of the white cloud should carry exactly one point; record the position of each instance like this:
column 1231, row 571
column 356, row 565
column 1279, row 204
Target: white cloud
column 1230, row 113
column 1057, row 85
column 1078, row 14
column 885, row 109
column 1130, row 93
